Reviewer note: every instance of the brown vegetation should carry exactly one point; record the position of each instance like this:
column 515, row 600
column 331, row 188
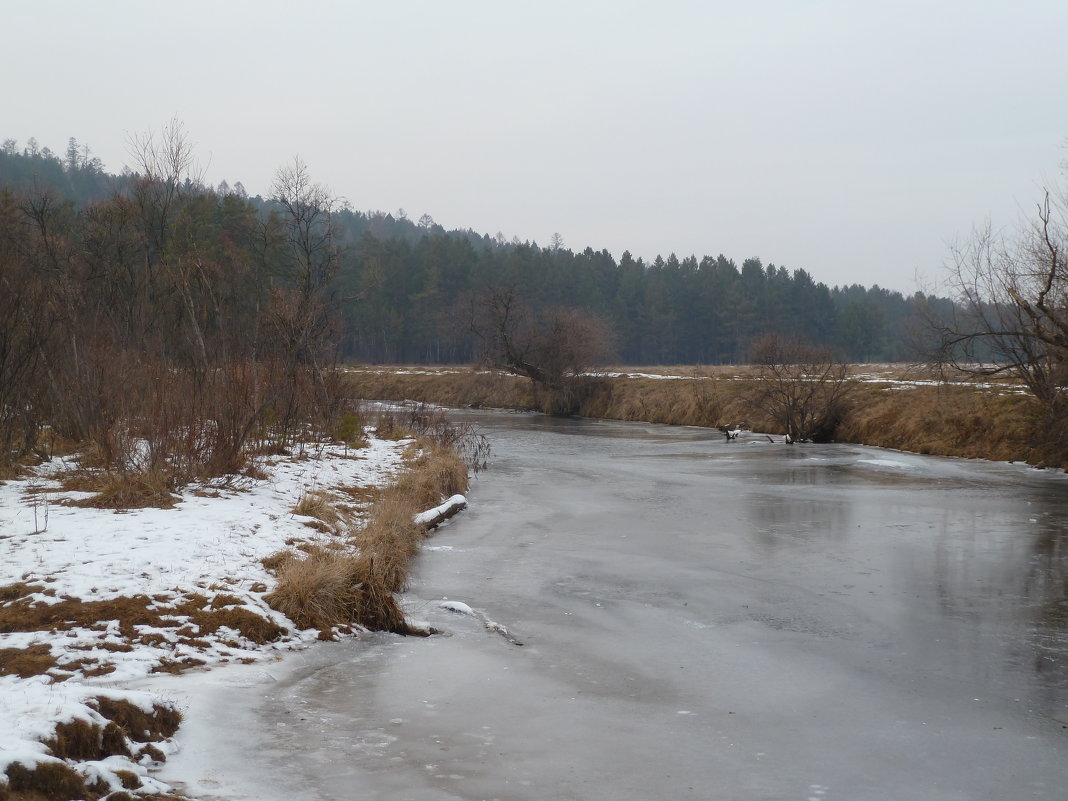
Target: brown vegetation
column 944, row 421
column 552, row 348
column 175, row 334
column 48, row 781
column 957, row 417
column 1010, row 316
column 188, row 618
column 803, row 388
column 317, row 590
column 24, row 662
column 127, row 491
column 354, row 581
column 319, row 505
column 128, row 730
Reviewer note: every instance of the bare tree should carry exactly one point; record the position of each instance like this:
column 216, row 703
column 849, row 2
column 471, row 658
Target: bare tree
column 300, row 307
column 1011, row 314
column 165, row 167
column 552, row 348
column 28, row 332
column 802, row 387
column 1012, row 305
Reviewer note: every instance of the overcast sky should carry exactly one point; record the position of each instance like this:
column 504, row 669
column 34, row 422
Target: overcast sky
column 852, row 139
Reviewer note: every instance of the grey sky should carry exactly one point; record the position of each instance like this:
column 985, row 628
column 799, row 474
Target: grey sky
column 851, row 139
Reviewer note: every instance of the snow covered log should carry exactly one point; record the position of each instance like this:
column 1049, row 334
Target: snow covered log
column 439, row 514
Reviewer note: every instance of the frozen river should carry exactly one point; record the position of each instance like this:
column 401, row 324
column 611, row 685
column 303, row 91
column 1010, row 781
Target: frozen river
column 700, row 619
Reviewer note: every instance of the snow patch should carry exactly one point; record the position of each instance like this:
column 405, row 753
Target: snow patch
column 210, row 544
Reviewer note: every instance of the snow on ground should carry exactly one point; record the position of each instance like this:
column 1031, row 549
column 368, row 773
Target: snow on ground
column 202, row 554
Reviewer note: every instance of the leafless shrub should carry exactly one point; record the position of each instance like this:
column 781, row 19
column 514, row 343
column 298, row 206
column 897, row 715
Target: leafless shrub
column 176, row 330
column 802, row 387
column 433, row 424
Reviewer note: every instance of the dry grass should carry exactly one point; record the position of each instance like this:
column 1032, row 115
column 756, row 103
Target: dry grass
column 48, row 781
column 948, row 419
column 316, row 591
column 12, row 592
column 388, row 542
column 25, row 662
column 140, row 726
column 944, row 420
column 121, row 490
column 80, row 740
column 448, row 386
column 323, row 507
column 197, row 615
column 328, row 587
column 23, row 615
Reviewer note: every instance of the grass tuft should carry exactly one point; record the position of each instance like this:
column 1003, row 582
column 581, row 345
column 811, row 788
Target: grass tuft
column 155, row 725
column 321, row 506
column 80, row 740
column 46, row 781
column 330, row 587
column 123, row 491
column 25, row 662
column 317, row 591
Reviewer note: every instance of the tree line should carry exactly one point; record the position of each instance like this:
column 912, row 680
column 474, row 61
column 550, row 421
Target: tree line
column 402, row 285
column 668, row 311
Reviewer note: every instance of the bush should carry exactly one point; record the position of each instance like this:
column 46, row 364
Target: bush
column 802, row 387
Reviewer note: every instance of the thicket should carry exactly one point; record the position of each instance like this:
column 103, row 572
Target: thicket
column 174, row 329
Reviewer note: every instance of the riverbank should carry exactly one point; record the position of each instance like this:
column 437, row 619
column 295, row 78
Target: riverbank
column 701, row 619
column 892, row 406
column 93, row 600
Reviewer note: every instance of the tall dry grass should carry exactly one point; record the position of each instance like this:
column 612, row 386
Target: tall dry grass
column 947, row 419
column 356, row 581
column 317, row 590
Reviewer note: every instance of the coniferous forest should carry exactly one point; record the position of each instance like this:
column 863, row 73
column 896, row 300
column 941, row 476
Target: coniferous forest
column 395, row 289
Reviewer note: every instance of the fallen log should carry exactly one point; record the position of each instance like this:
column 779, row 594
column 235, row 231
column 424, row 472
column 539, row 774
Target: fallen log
column 432, row 518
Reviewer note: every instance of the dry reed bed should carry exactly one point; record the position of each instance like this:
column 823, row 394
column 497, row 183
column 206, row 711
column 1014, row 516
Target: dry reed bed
column 904, row 408
column 352, row 581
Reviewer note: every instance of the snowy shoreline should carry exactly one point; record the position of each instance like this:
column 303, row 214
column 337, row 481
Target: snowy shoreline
column 196, row 568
